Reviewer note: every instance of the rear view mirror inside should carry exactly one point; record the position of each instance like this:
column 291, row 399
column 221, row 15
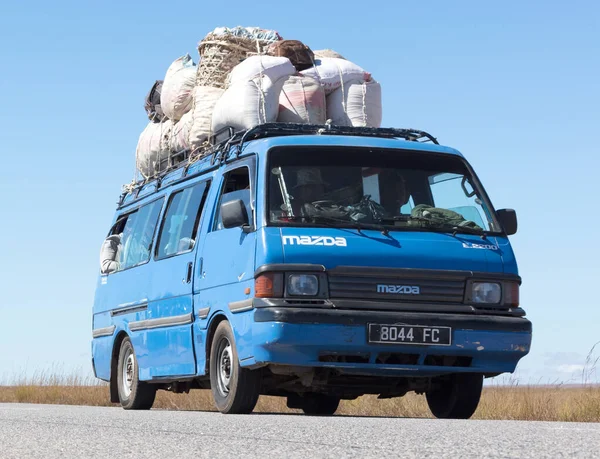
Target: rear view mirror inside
column 466, row 186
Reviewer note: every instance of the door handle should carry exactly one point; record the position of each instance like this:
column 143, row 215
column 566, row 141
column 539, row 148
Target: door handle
column 189, row 272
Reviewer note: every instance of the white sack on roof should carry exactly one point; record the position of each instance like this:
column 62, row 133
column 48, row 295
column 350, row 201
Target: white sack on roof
column 152, row 148
column 177, row 89
column 321, row 53
column 356, row 104
column 302, row 100
column 334, row 72
column 272, row 67
column 205, row 98
column 180, row 134
column 246, row 104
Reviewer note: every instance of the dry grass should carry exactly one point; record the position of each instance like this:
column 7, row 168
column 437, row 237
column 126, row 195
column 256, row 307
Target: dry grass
column 511, row 401
column 539, row 403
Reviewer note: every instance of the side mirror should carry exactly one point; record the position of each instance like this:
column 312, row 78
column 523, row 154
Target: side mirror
column 508, row 220
column 234, row 214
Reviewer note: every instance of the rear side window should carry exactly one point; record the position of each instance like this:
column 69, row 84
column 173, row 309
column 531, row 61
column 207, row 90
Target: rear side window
column 137, row 235
column 181, row 221
column 130, row 241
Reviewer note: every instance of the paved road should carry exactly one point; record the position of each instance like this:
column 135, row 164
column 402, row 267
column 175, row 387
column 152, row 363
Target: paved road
column 50, row 431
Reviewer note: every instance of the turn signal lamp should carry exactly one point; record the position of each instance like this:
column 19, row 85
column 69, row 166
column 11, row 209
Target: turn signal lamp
column 269, row 285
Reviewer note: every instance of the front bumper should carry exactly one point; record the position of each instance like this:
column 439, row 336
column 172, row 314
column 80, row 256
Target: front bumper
column 334, row 338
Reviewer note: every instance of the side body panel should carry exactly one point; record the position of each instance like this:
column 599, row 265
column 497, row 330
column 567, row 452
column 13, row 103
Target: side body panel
column 164, row 343
column 120, row 298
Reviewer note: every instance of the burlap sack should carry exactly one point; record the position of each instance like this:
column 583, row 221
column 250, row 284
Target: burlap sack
column 301, row 55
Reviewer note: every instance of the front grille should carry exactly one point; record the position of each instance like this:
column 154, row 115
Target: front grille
column 396, row 285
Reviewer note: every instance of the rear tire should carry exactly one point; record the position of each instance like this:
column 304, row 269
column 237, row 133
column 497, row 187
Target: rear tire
column 457, row 398
column 235, row 389
column 315, row 404
column 133, row 393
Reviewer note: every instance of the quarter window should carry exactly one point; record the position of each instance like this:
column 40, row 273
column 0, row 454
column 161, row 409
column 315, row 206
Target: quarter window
column 181, row 221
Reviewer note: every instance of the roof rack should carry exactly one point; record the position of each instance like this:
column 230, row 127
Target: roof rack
column 220, row 150
column 281, row 129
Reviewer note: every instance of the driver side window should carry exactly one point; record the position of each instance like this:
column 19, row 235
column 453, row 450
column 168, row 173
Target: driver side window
column 236, row 185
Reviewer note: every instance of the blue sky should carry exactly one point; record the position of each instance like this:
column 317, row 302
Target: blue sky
column 513, row 85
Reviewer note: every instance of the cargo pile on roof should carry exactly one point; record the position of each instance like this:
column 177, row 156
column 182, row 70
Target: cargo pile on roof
column 247, row 76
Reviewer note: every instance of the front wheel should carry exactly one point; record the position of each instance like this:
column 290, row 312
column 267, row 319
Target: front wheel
column 235, row 389
column 133, row 393
column 457, row 397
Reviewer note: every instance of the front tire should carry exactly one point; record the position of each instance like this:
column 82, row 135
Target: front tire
column 457, row 397
column 235, row 389
column 133, row 393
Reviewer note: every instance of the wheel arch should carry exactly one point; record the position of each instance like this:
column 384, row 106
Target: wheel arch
column 216, row 319
column 114, row 362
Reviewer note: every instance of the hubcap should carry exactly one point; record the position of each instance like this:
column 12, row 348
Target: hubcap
column 224, row 370
column 128, row 371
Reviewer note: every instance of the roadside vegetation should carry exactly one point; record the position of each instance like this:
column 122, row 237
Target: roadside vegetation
column 532, row 403
column 502, row 400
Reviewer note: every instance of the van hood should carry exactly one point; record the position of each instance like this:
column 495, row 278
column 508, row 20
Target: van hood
column 334, row 247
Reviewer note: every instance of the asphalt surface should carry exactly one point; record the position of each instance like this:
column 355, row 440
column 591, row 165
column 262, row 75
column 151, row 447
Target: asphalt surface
column 55, row 431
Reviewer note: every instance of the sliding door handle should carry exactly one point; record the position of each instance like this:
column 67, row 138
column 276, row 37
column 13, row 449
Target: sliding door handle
column 189, row 272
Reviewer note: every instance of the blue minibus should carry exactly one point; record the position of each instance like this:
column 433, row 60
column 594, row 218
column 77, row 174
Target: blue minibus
column 316, row 263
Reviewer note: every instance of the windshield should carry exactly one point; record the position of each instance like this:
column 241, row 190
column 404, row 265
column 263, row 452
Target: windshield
column 369, row 188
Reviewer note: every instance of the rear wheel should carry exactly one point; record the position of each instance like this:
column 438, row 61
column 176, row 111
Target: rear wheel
column 235, row 389
column 457, row 397
column 315, row 404
column 133, row 393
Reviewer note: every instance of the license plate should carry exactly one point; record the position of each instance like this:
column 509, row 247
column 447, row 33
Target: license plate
column 410, row 334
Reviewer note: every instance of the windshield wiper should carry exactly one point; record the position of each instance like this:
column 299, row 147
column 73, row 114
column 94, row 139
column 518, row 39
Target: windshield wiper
column 331, row 221
column 436, row 225
column 405, row 218
column 468, row 230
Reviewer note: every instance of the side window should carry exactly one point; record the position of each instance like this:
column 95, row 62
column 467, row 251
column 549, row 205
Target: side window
column 110, row 253
column 181, row 221
column 130, row 240
column 236, row 186
column 136, row 239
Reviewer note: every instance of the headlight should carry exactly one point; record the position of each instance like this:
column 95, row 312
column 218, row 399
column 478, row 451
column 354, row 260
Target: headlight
column 302, row 285
column 486, row 292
